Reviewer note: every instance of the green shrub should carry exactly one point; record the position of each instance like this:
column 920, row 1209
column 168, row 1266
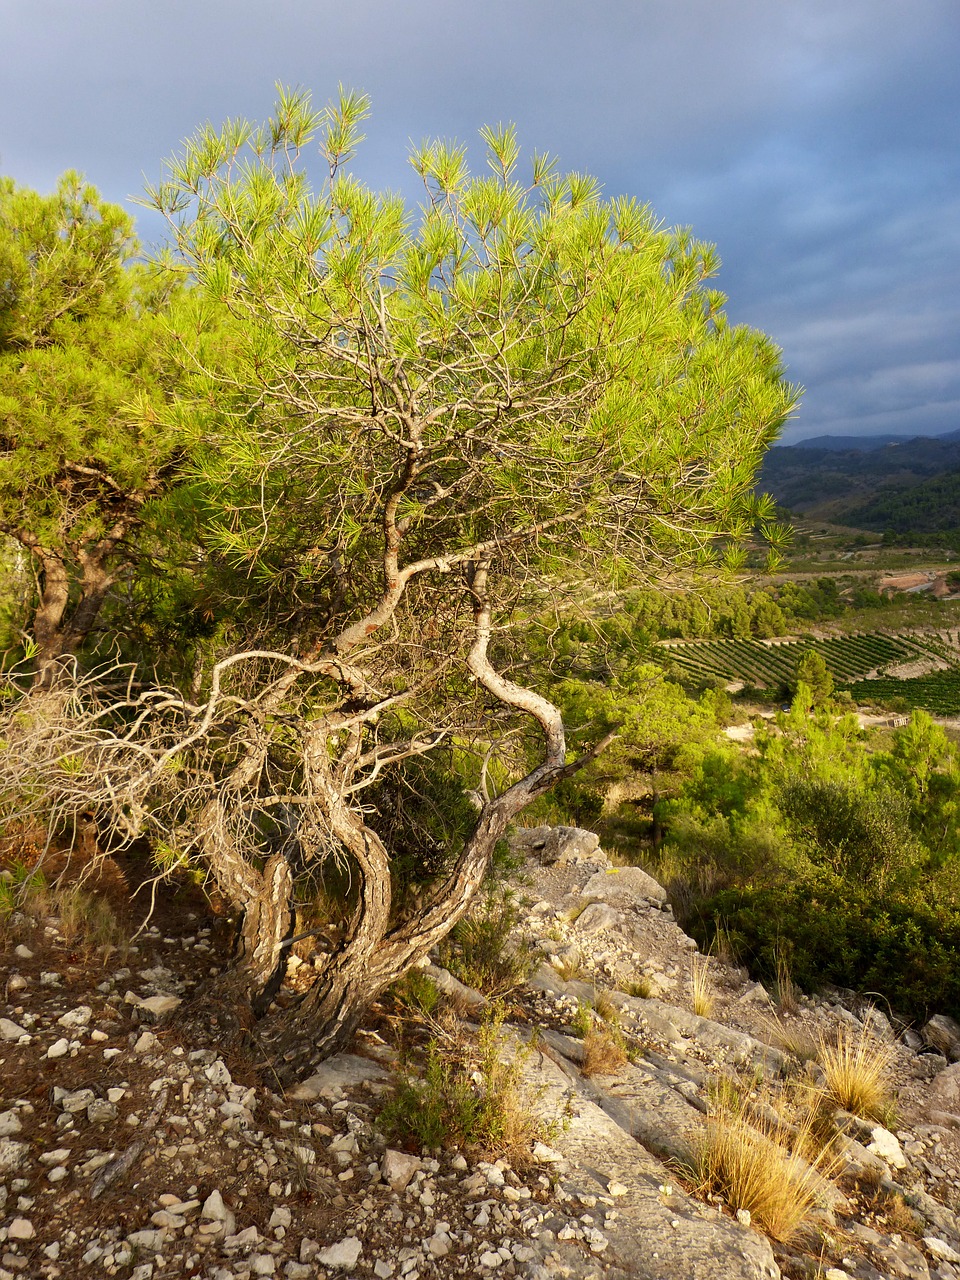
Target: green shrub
column 904, row 946
column 470, row 1095
column 478, row 950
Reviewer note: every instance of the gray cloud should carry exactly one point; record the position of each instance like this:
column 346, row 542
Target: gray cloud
column 814, row 142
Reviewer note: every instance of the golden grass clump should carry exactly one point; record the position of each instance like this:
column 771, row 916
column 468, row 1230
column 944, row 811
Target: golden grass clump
column 603, row 1051
column 791, row 1037
column 758, row 1165
column 855, row 1065
column 704, row 1000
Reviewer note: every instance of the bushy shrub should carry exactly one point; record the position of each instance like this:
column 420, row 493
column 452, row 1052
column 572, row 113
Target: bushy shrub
column 479, row 951
column 470, row 1095
column 904, row 946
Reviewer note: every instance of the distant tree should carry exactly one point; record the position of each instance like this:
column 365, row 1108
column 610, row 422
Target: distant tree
column 766, row 617
column 430, row 420
column 814, row 679
column 924, row 765
column 82, row 444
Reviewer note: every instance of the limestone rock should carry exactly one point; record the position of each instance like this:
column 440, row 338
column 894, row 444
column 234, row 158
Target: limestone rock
column 12, row 1154
column 597, row 918
column 556, row 844
column 626, row 886
column 344, row 1254
column 883, row 1144
column 943, row 1033
column 444, row 980
column 9, row 1124
column 344, row 1071
column 943, row 1092
column 650, row 1238
column 940, row 1249
column 397, row 1168
column 79, row 1017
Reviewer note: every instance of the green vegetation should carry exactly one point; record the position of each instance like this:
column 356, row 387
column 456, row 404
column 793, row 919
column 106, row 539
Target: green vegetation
column 829, row 850
column 938, row 692
column 471, row 1094
column 401, row 523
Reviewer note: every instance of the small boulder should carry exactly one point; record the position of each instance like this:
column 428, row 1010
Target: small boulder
column 625, row 886
column 397, row 1168
column 943, row 1092
column 76, row 1018
column 885, row 1145
column 943, row 1033
column 344, row 1254
column 12, row 1154
column 596, row 918
column 556, row 844
column 343, row 1071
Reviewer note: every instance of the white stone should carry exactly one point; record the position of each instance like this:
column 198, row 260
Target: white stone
column 624, row 886
column 214, row 1209
column 158, row 1006
column 9, row 1124
column 23, row 953
column 57, row 1156
column 885, row 1145
column 383, row 1270
column 341, row 1072
column 59, row 1049
column 151, row 1240
column 101, row 1112
column 546, row 1155
column 940, row 1249
column 397, row 1168
column 10, row 1030
column 263, row 1264
column 217, row 1072
column 21, row 1229
column 78, row 1017
column 281, row 1217
column 73, row 1100
column 597, row 918
column 344, row 1253
column 146, row 1043
column 12, row 1154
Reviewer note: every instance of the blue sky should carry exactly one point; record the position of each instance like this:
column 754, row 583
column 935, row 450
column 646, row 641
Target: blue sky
column 816, row 142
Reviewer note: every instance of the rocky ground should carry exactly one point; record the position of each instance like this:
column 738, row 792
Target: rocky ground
column 127, row 1151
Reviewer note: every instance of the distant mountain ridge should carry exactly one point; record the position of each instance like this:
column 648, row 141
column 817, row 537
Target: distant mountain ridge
column 866, row 481
column 862, row 444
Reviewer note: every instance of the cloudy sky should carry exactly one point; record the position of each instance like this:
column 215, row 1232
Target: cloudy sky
column 816, row 142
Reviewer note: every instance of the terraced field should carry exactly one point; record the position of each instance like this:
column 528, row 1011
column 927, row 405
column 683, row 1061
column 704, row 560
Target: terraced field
column 767, row 664
column 938, row 692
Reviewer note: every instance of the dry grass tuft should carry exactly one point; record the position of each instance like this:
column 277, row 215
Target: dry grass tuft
column 786, row 992
column 759, row 1166
column 701, row 985
column 603, row 1051
column 855, row 1065
column 791, row 1037
column 569, row 967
